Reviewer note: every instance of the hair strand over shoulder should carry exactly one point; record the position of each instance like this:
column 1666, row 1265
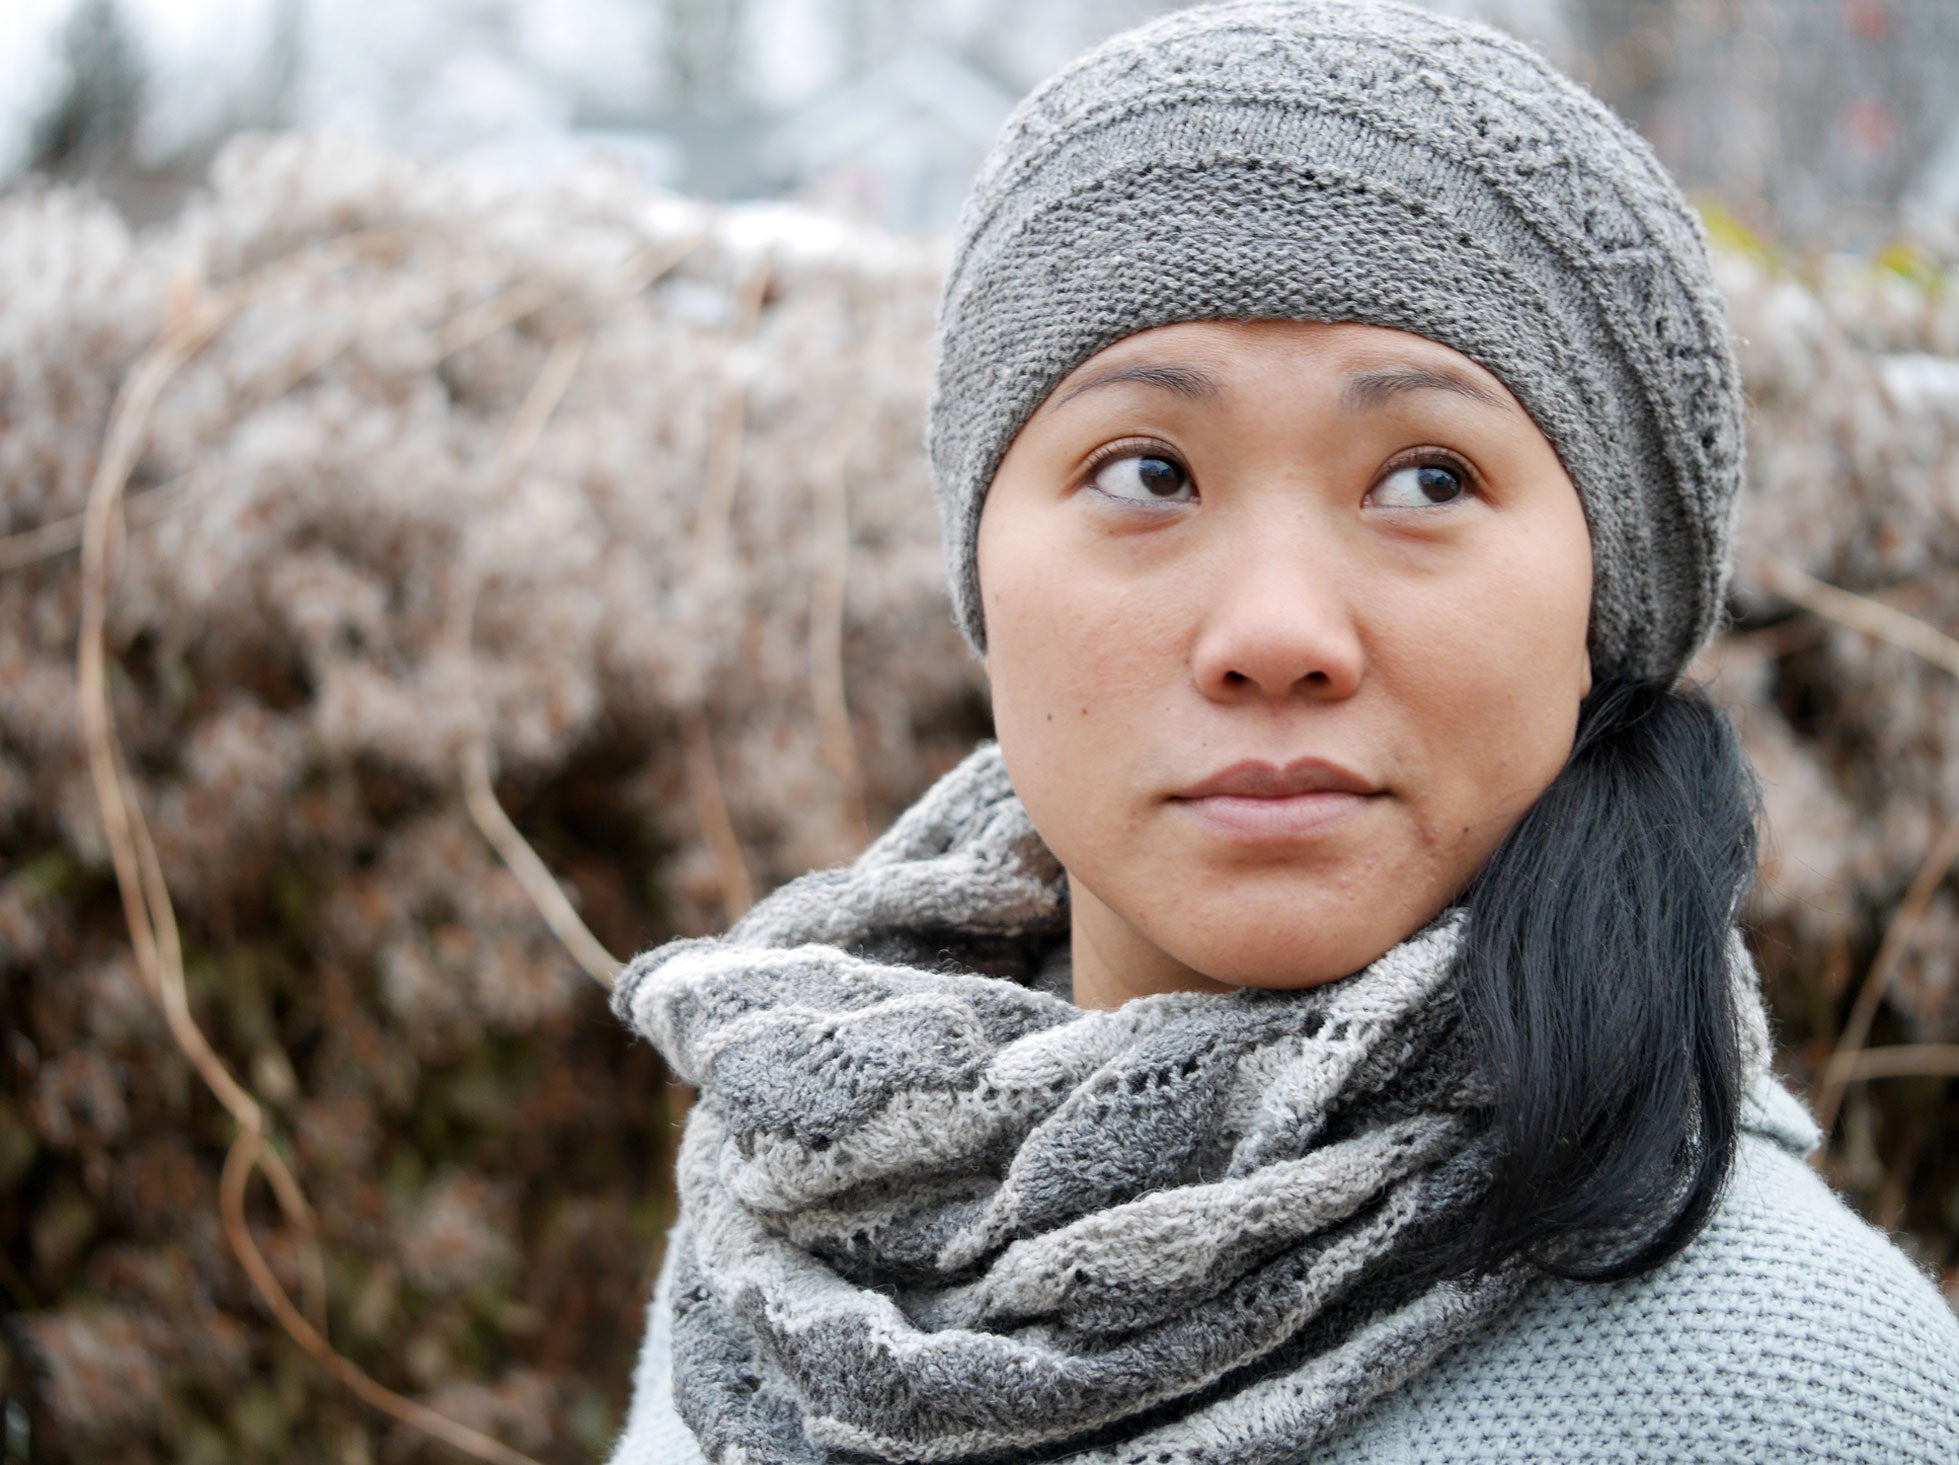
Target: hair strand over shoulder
column 1599, row 1001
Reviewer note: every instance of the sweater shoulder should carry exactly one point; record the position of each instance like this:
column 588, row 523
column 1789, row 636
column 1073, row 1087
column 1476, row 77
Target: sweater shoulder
column 1789, row 1329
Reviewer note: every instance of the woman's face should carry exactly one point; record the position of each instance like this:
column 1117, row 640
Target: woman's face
column 1286, row 630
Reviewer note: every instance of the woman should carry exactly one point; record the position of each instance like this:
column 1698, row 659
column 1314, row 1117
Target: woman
column 1316, row 1031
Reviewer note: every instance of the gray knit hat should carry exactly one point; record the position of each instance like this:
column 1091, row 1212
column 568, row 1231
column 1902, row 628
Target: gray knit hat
column 1341, row 160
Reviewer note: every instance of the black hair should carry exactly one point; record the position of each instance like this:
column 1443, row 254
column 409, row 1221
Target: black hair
column 1596, row 993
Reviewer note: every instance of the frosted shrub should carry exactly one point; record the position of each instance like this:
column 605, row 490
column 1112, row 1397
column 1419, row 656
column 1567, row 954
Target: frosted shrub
column 701, row 591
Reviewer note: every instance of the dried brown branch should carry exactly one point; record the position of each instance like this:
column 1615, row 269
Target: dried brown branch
column 195, row 320
column 478, row 778
column 529, row 296
column 553, row 380
column 248, row 1151
column 1844, row 1061
column 711, row 809
column 60, row 536
column 589, row 952
column 1862, row 613
column 1886, row 623
column 139, row 876
column 723, row 473
column 480, row 322
column 190, row 1038
column 1903, row 1060
column 828, row 589
column 479, row 792
column 712, row 522
column 1799, row 633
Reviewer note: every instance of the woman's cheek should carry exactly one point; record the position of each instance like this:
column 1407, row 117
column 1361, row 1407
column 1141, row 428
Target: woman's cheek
column 1063, row 705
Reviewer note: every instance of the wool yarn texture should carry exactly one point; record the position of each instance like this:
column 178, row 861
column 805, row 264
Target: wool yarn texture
column 1358, row 161
column 932, row 1212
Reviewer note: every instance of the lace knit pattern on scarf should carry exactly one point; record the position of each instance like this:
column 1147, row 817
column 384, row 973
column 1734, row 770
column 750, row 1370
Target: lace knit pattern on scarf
column 936, row 1214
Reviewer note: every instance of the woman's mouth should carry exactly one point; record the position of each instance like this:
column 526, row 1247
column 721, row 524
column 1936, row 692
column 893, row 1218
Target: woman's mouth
column 1263, row 803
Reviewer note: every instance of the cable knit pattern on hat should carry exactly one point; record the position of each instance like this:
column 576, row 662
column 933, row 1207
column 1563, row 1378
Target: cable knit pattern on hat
column 1365, row 162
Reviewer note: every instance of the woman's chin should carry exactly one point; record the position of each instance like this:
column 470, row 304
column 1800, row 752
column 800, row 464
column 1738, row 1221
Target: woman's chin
column 1265, row 929
column 1291, row 959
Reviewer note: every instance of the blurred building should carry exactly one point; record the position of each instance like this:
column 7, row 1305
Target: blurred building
column 897, row 142
column 1814, row 120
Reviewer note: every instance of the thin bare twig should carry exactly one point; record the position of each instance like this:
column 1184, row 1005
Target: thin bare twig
column 1798, row 633
column 1903, row 1060
column 1862, row 613
column 527, row 297
column 553, row 380
column 712, row 524
column 173, row 991
column 478, row 774
column 194, row 321
column 1886, row 623
column 60, row 536
column 192, row 327
column 1890, row 955
column 479, row 791
column 249, row 1150
column 711, row 809
column 545, row 893
column 828, row 589
column 481, row 321
column 723, row 475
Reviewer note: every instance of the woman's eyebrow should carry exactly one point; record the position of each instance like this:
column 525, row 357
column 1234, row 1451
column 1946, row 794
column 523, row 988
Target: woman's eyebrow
column 1186, row 381
column 1367, row 390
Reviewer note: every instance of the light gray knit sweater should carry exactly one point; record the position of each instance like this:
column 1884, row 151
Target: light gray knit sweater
column 1789, row 1330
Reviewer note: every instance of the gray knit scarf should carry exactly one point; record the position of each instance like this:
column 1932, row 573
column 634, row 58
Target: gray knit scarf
column 933, row 1213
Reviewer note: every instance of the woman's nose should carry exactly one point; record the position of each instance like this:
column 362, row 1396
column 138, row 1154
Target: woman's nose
column 1279, row 622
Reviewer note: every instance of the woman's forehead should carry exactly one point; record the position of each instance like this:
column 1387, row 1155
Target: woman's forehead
column 1207, row 359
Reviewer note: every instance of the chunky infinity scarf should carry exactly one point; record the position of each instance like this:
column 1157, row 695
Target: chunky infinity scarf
column 936, row 1214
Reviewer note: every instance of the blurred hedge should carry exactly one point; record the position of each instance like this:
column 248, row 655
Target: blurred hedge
column 707, row 648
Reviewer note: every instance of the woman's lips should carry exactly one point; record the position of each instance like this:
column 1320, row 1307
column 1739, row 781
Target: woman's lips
column 1264, row 803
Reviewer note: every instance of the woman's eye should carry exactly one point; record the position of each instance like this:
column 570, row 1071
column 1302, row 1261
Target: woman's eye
column 1144, row 478
column 1421, row 486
